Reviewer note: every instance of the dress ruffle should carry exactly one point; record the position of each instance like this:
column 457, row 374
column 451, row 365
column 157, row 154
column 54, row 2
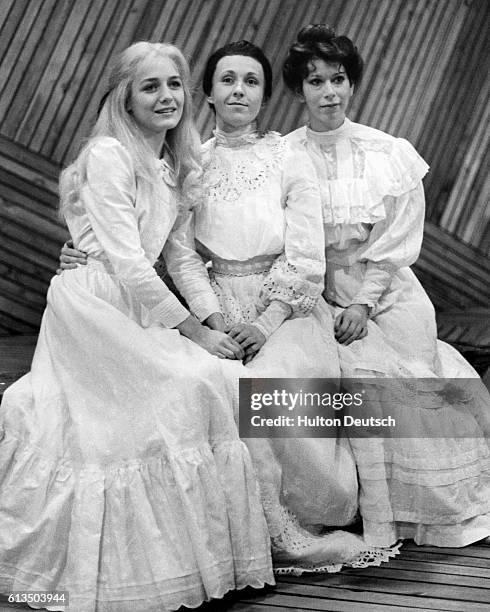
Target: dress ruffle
column 144, row 535
column 391, row 169
column 384, row 166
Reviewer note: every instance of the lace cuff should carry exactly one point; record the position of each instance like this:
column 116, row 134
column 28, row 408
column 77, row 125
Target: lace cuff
column 273, row 317
column 283, row 283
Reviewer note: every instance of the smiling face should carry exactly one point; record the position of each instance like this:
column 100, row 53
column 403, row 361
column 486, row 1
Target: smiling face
column 327, row 92
column 157, row 97
column 237, row 92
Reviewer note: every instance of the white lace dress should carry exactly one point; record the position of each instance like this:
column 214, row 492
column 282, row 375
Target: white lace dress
column 122, row 477
column 261, row 228
column 435, row 490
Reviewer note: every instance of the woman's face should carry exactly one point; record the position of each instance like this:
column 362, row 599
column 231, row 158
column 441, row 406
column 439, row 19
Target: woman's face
column 237, row 92
column 327, row 92
column 157, row 96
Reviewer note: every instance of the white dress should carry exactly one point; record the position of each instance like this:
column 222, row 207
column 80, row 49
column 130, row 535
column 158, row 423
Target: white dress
column 435, row 490
column 122, row 477
column 261, row 227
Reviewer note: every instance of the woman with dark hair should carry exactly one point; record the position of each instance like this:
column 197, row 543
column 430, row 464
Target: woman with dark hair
column 260, row 225
column 436, row 491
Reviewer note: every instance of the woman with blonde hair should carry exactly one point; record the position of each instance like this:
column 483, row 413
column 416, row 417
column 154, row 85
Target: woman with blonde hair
column 123, row 480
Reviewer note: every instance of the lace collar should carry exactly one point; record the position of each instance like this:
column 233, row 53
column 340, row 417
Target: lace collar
column 232, row 142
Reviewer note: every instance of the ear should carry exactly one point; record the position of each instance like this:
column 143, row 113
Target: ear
column 210, row 99
column 300, row 96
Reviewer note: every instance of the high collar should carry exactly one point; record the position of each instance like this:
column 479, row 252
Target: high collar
column 235, row 141
column 331, row 135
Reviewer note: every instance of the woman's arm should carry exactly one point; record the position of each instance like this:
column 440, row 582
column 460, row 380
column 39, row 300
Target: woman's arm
column 189, row 273
column 109, row 199
column 295, row 281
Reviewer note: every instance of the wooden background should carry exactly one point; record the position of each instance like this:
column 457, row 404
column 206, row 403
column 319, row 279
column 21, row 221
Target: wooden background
column 426, row 79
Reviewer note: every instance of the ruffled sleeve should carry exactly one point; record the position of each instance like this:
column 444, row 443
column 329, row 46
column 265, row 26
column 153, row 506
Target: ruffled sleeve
column 296, row 277
column 187, row 269
column 393, row 243
column 109, row 198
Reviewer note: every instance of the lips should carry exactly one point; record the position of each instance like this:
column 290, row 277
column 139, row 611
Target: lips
column 165, row 111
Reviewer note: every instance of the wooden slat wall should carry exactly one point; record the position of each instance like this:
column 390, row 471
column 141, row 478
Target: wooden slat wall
column 425, row 80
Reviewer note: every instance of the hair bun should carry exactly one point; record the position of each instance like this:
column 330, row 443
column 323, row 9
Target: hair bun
column 318, row 32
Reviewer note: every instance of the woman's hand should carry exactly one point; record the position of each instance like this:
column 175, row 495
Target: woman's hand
column 71, row 258
column 216, row 321
column 249, row 337
column 351, row 324
column 215, row 342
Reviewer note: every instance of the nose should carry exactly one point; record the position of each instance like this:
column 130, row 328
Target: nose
column 165, row 93
column 328, row 90
column 238, row 89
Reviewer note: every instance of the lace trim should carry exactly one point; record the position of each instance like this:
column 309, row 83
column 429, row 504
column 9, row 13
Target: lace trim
column 255, row 265
column 302, row 548
column 226, row 180
column 373, row 557
column 381, row 167
column 284, row 283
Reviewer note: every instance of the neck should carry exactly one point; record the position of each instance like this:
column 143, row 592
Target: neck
column 231, row 130
column 326, row 127
column 156, row 142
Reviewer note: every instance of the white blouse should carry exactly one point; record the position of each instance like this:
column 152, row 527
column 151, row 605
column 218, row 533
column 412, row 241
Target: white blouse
column 261, row 202
column 123, row 224
column 373, row 206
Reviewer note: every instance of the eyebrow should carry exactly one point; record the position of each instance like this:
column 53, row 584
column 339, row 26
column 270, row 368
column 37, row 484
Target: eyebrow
column 153, row 79
column 231, row 71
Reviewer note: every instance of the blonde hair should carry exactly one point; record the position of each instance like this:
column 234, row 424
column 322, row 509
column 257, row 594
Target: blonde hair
column 181, row 143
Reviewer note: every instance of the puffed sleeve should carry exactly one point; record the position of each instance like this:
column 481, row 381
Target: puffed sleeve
column 393, row 243
column 295, row 280
column 187, row 269
column 109, row 197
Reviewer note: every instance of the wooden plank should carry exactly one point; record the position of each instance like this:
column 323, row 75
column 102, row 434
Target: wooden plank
column 400, row 586
column 35, row 71
column 19, row 275
column 453, row 580
column 22, row 62
column 62, row 96
column 22, row 155
column 50, row 68
column 417, row 565
column 28, row 175
column 62, row 128
column 20, row 231
column 16, row 353
column 474, row 551
column 12, row 23
column 30, row 218
column 20, row 312
column 289, row 602
column 5, row 14
column 126, row 18
column 27, row 256
column 308, row 586
column 30, row 195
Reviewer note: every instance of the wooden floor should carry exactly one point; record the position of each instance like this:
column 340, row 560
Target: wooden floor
column 419, row 579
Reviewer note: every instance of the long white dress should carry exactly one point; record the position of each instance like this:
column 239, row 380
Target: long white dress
column 261, row 227
column 435, row 490
column 122, row 477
